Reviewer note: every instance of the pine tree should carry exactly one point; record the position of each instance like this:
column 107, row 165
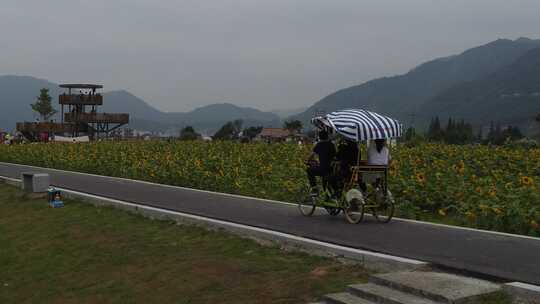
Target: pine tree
column 230, row 130
column 449, row 132
column 188, row 133
column 429, row 133
column 480, row 136
column 294, row 126
column 491, row 133
column 438, row 129
column 499, row 137
column 43, row 105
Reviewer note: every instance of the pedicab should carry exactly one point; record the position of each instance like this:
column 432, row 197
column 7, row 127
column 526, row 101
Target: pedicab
column 351, row 194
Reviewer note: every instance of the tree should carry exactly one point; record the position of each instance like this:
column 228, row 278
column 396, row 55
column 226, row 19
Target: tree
column 188, row 133
column 410, row 134
column 251, row 132
column 230, row 130
column 237, row 125
column 512, row 133
column 294, row 126
column 43, row 105
column 480, row 136
column 435, row 132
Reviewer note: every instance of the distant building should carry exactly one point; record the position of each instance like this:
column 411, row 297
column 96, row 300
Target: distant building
column 279, row 135
column 274, row 134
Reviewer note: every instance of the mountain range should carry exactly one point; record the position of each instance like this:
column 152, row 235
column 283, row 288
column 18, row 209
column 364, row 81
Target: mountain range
column 498, row 81
column 435, row 87
column 510, row 95
column 18, row 92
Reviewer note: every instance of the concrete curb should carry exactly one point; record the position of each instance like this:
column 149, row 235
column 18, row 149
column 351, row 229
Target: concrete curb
column 370, row 260
column 528, row 292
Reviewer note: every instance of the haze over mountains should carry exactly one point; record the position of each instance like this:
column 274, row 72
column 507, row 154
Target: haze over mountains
column 18, row 92
column 418, row 92
column 498, row 81
column 510, row 95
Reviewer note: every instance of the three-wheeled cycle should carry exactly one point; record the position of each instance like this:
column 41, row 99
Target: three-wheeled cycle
column 353, row 194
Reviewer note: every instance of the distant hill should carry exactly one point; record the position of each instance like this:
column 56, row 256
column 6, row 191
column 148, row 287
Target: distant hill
column 123, row 101
column 18, row 92
column 510, row 95
column 400, row 96
column 285, row 113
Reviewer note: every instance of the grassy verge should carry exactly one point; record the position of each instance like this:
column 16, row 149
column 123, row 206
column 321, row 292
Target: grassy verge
column 84, row 254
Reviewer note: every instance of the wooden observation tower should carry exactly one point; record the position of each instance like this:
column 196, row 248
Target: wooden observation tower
column 80, row 109
column 79, row 115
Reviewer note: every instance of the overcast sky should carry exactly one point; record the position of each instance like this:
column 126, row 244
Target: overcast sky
column 269, row 54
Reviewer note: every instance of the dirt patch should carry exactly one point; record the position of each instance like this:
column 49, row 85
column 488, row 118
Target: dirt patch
column 319, row 272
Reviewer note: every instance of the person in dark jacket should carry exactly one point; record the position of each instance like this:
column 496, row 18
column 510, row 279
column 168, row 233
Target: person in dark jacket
column 348, row 155
column 326, row 152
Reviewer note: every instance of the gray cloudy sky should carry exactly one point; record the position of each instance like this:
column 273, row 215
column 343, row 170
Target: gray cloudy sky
column 180, row 54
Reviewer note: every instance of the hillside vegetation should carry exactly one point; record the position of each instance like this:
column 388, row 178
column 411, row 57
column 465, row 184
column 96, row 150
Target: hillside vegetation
column 412, row 93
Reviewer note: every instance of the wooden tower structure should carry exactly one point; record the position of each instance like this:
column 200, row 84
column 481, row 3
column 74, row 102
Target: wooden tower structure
column 79, row 115
column 79, row 107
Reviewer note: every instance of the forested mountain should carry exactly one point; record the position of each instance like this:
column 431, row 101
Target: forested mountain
column 510, row 95
column 403, row 95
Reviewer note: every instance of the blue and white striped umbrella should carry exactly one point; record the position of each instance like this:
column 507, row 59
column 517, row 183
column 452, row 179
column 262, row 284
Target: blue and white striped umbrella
column 356, row 124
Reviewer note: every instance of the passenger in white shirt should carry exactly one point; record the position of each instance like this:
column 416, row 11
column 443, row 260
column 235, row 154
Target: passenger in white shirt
column 378, row 153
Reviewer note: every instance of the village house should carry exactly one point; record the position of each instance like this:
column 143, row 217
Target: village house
column 274, row 135
column 279, row 135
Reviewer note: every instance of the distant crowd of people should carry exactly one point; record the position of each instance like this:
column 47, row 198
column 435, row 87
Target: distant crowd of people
column 8, row 138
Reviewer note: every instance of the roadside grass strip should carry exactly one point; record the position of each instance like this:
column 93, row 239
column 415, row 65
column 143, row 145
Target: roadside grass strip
column 86, row 254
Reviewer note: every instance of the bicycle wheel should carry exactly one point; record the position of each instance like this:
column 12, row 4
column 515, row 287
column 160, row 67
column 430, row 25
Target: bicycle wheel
column 332, row 211
column 307, row 205
column 384, row 211
column 354, row 210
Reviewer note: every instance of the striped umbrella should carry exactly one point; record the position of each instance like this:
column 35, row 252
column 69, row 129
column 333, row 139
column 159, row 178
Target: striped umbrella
column 356, row 124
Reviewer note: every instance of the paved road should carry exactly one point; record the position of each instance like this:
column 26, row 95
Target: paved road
column 507, row 257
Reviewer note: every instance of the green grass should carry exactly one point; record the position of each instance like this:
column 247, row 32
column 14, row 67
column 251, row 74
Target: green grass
column 497, row 298
column 84, row 254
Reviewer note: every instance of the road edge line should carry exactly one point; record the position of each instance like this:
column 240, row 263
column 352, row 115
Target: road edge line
column 368, row 259
column 522, row 290
column 275, row 201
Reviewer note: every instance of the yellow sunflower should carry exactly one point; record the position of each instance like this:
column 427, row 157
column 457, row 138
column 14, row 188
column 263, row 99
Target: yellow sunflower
column 471, row 216
column 497, row 211
column 526, row 180
column 478, row 190
column 420, row 177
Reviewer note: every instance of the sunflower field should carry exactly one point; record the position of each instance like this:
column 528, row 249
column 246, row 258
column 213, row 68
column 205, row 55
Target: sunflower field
column 494, row 188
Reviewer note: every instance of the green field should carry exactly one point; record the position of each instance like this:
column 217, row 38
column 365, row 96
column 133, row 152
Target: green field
column 496, row 188
column 84, row 254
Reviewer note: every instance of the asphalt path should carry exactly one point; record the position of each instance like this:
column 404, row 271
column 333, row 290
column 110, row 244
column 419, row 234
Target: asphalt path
column 507, row 257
